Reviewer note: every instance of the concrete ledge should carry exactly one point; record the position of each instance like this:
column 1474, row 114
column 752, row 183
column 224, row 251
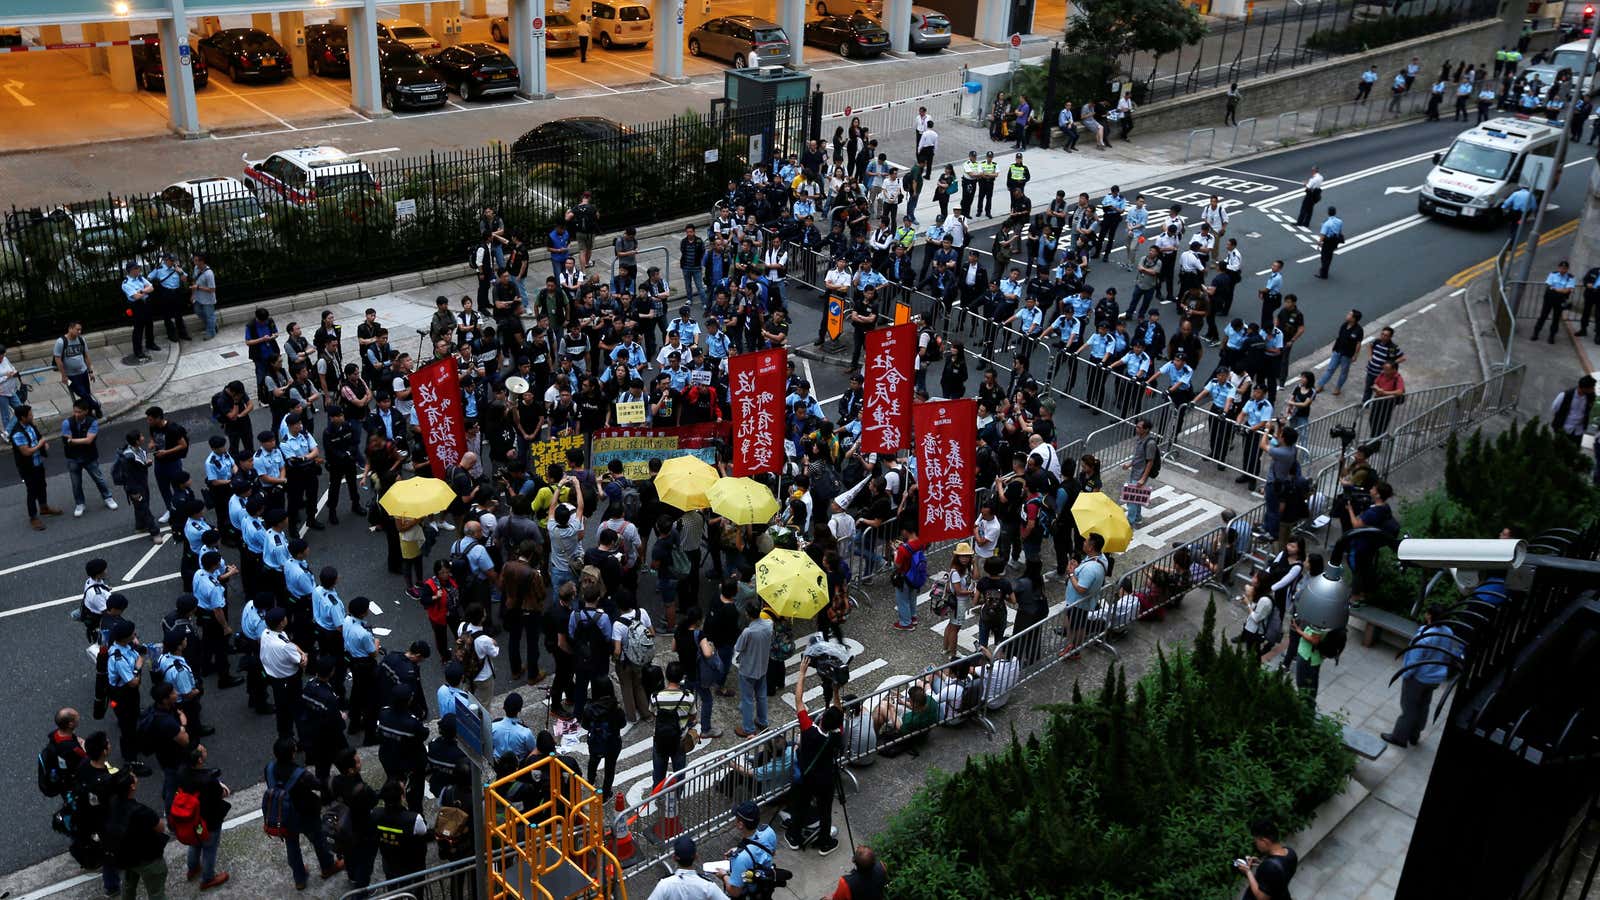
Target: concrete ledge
column 1328, row 817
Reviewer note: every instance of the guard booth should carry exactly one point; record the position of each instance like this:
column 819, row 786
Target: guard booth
column 774, row 106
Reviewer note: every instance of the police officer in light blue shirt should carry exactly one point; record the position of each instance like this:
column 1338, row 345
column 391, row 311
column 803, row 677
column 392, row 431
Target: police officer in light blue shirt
column 1558, row 287
column 450, row 693
column 270, row 462
column 361, row 652
column 1254, row 416
column 716, row 341
column 219, row 473
column 327, row 614
column 275, row 555
column 252, row 623
column 195, row 528
column 508, row 734
column 1234, row 334
column 802, row 394
column 123, row 662
column 253, row 532
column 1082, row 303
column 167, row 278
column 1217, row 396
column 299, row 583
column 173, row 669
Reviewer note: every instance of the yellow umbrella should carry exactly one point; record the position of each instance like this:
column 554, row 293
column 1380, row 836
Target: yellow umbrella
column 791, row 584
column 742, row 501
column 414, row 498
column 1097, row 513
column 683, row 482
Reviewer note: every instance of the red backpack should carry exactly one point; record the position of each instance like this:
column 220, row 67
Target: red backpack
column 184, row 818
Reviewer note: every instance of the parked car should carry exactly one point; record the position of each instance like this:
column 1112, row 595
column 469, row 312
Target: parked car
column 562, row 141
column 930, row 30
column 745, row 41
column 620, row 23
column 306, row 174
column 217, row 197
column 407, row 32
column 852, row 36
column 560, row 31
column 406, row 78
column 476, row 70
column 328, row 49
column 148, row 67
column 11, row 37
column 246, row 54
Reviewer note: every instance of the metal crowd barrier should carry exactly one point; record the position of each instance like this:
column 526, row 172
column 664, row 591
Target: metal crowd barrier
column 1211, row 436
column 449, row 881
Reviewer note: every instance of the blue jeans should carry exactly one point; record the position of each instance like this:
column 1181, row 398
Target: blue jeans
column 1269, row 508
column 1140, row 304
column 1336, row 362
column 75, row 470
column 703, row 692
column 319, row 844
column 753, row 703
column 208, row 317
column 559, row 577
column 7, row 404
column 204, row 857
column 1135, row 512
column 79, row 386
column 905, row 604
column 693, row 285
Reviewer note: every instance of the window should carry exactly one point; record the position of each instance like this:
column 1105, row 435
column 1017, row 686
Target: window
column 1476, row 159
column 178, row 198
column 602, row 11
column 635, row 14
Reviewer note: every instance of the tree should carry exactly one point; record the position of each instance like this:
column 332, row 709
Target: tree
column 1107, row 29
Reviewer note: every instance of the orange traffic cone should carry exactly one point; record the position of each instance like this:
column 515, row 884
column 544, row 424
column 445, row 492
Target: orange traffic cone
column 619, row 840
column 619, row 804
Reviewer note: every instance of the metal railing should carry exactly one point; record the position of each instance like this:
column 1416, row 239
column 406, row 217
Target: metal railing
column 1234, row 147
column 447, row 881
column 1277, row 125
column 1211, row 145
column 639, row 269
column 1431, row 425
column 1376, row 110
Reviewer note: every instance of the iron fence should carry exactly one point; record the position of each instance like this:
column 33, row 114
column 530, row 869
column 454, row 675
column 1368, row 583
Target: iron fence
column 66, row 262
column 1283, row 39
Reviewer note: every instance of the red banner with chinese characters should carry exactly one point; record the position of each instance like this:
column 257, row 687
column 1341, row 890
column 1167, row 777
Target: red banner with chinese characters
column 436, row 391
column 947, row 438
column 886, row 408
column 755, row 390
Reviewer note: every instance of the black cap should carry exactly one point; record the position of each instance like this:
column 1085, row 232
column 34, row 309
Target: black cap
column 275, row 516
column 275, row 615
column 121, row 630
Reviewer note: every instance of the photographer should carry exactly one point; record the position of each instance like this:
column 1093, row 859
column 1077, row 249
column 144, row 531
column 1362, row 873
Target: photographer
column 1283, row 502
column 817, row 763
column 1356, row 478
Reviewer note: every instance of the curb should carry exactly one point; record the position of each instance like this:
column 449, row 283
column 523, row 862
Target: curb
column 161, row 381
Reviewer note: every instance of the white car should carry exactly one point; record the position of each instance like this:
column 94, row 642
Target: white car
column 305, row 174
column 218, row 197
column 407, row 32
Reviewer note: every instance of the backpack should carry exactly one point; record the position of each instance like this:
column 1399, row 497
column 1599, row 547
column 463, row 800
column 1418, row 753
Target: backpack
column 678, row 564
column 586, row 489
column 917, row 570
column 1332, row 645
column 590, row 643
column 598, row 715
column 278, row 816
column 631, row 503
column 638, row 647
column 761, row 879
column 994, row 605
column 1046, row 515
column 451, row 833
column 221, row 405
column 460, row 567
column 183, row 817
column 466, row 654
column 338, row 825
column 1272, row 631
column 119, row 471
column 53, row 772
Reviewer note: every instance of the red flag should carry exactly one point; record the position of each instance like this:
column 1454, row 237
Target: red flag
column 886, row 409
column 436, row 392
column 947, row 439
column 755, row 390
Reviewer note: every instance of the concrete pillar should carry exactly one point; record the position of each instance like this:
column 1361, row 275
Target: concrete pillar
column 1227, row 9
column 92, row 32
column 442, row 18
column 766, row 9
column 1585, row 251
column 342, row 16
column 477, row 9
column 261, row 22
column 527, row 49
column 182, row 113
column 792, row 15
column 416, row 12
column 668, row 16
column 50, row 34
column 119, row 60
column 366, row 97
column 897, row 18
column 292, row 35
column 991, row 22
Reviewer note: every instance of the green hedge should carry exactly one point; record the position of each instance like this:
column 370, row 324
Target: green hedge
column 1144, row 792
column 1358, row 37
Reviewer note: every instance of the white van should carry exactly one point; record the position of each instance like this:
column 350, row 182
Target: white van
column 1482, row 168
column 1570, row 56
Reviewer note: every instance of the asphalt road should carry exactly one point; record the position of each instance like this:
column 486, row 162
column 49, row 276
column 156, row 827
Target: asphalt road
column 41, row 574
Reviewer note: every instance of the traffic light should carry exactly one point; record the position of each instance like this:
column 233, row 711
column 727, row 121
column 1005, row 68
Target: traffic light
column 1588, row 18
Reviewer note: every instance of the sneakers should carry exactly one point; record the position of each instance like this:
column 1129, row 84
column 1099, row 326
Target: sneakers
column 77, row 511
column 898, row 627
column 446, row 526
column 217, row 880
column 165, row 518
column 790, row 842
column 826, row 846
column 110, row 503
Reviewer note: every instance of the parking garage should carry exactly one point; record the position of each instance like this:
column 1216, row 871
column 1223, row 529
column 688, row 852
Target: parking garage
column 95, row 70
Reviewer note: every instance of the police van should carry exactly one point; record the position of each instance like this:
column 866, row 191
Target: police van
column 1571, row 56
column 1483, row 166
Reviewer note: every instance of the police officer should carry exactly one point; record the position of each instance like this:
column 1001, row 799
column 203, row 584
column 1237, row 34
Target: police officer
column 275, row 554
column 1254, row 416
column 988, row 171
column 270, row 463
column 508, row 734
column 971, row 172
column 401, row 669
column 451, row 694
column 219, row 479
column 402, row 743
column 95, row 593
column 304, row 458
column 168, row 281
column 299, row 583
column 327, row 613
column 402, row 834
column 173, row 669
column 195, row 527
column 443, row 755
column 1329, row 237
column 209, row 586
column 361, row 655
column 252, row 624
column 282, row 663
column 320, row 721
column 1217, row 396
column 124, row 668
column 181, row 621
column 340, row 447
column 253, row 533
column 1017, row 175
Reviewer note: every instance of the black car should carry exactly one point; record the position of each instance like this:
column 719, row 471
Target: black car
column 853, row 35
column 406, row 79
column 148, row 69
column 246, row 54
column 476, row 70
column 564, row 140
column 328, row 49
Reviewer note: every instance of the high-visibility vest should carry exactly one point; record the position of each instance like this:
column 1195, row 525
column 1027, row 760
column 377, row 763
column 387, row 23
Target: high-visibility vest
column 905, row 235
column 971, row 168
column 1017, row 172
column 1514, row 56
column 1501, row 56
column 988, row 167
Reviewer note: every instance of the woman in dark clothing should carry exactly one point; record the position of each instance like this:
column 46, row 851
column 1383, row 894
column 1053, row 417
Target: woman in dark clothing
column 953, row 380
column 214, row 806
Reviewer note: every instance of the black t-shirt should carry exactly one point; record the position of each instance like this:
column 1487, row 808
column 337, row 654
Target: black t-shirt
column 136, row 839
column 169, row 435
column 1273, row 875
column 162, row 734
column 1030, row 602
column 991, row 599
column 723, row 623
column 1289, row 321
column 863, row 308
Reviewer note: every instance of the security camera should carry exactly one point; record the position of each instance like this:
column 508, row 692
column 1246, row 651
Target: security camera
column 1470, row 555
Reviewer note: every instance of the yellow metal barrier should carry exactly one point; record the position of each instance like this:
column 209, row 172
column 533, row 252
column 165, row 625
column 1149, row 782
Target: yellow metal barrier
column 555, row 851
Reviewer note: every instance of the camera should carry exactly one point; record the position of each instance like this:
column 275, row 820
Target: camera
column 1344, row 434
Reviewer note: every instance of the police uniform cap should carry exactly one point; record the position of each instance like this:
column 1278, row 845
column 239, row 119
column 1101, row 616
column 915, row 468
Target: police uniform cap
column 748, row 813
column 298, row 545
column 240, row 484
column 117, row 600
column 400, row 694
column 683, row 849
column 240, row 456
column 513, row 703
column 254, row 504
column 186, row 602
column 218, row 441
column 453, row 669
column 275, row 615
column 194, row 507
column 121, row 630
column 275, row 516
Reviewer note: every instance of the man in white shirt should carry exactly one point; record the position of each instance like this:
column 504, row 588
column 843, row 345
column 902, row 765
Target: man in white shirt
column 985, row 534
column 685, row 883
column 1048, row 458
column 927, row 146
column 282, row 661
column 486, row 650
column 1308, row 203
column 1214, row 215
column 999, row 677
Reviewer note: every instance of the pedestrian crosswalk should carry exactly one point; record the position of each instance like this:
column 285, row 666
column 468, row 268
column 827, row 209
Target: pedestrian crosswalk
column 1172, row 514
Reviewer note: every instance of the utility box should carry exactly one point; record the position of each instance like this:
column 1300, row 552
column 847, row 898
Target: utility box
column 765, row 86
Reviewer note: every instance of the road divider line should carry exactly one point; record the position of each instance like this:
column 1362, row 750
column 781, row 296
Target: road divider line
column 148, row 555
column 1471, row 273
column 1346, row 179
column 76, row 598
column 141, row 536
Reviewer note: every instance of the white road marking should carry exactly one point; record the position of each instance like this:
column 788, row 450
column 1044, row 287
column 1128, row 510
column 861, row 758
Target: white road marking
column 1346, row 179
column 71, row 553
column 148, row 555
column 1377, row 234
column 78, row 597
column 373, row 153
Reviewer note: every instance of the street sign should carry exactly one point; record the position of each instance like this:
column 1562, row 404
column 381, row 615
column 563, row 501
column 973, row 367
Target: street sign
column 1016, row 40
column 1015, row 52
column 847, row 111
column 469, row 730
column 183, row 54
column 538, row 24
column 756, row 146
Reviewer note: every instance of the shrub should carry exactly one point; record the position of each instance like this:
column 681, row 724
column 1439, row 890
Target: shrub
column 1141, row 792
column 1361, row 36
